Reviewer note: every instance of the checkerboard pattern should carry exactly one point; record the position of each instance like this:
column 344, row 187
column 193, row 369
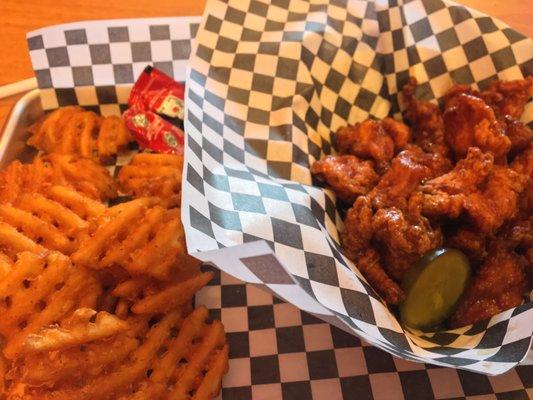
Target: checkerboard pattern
column 280, row 352
column 94, row 64
column 267, row 85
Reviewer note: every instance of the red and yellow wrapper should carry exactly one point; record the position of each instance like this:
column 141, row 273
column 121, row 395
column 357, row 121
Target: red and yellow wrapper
column 155, row 93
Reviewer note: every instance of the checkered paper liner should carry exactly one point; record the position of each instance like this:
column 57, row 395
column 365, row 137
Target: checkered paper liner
column 268, row 83
column 277, row 350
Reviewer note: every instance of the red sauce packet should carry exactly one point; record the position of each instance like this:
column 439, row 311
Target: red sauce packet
column 156, row 93
column 154, row 132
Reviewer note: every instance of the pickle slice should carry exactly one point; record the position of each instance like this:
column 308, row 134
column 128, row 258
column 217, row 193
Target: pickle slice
column 433, row 287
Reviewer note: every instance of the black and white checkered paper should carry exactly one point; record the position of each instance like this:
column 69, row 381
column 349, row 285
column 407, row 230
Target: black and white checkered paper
column 268, row 84
column 278, row 350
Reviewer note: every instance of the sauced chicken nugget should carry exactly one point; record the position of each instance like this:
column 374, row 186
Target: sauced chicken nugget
column 347, row 175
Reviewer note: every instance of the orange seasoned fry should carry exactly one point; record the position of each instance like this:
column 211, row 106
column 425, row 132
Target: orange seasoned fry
column 151, row 174
column 81, row 205
column 113, row 228
column 13, row 242
column 78, row 329
column 119, row 380
column 71, row 364
column 36, row 229
column 172, row 296
column 96, row 301
column 60, row 303
column 112, row 137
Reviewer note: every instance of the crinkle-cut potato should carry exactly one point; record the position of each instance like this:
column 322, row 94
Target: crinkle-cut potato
column 72, row 130
column 140, row 236
column 84, row 175
column 76, row 329
column 146, row 296
column 112, row 137
column 55, row 220
column 178, row 357
column 39, row 290
column 96, row 301
column 153, row 174
column 17, row 178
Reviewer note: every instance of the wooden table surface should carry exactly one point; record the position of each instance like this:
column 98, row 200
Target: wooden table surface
column 18, row 18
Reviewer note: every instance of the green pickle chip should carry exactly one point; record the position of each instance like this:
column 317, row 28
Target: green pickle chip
column 433, row 287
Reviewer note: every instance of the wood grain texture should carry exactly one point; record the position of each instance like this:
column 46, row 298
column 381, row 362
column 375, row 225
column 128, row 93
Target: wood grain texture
column 20, row 17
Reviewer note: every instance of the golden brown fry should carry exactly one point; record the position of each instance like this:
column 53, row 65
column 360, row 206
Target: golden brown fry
column 13, row 242
column 152, row 174
column 188, row 377
column 52, row 212
column 212, row 381
column 58, row 305
column 72, row 130
column 83, row 174
column 46, row 133
column 114, row 226
column 172, row 296
column 72, row 364
column 162, row 253
column 81, row 205
column 112, row 137
column 118, row 381
column 31, row 294
column 76, row 330
column 5, row 265
column 36, row 229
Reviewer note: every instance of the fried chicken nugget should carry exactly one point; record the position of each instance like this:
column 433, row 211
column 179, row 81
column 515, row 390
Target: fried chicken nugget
column 499, row 284
column 347, row 175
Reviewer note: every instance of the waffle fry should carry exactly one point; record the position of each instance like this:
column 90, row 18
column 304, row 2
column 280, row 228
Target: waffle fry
column 197, row 347
column 13, row 242
column 47, row 283
column 112, row 138
column 154, row 247
column 172, row 296
column 83, row 175
column 96, row 301
column 77, row 329
column 54, row 222
column 74, row 131
column 195, row 359
column 151, row 174
column 75, row 363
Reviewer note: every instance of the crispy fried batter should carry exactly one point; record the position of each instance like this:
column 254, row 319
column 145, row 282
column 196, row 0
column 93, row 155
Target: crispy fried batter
column 499, row 284
column 403, row 238
column 398, row 131
column 366, row 139
column 446, row 194
column 473, row 244
column 358, row 227
column 425, row 119
column 470, row 122
column 347, row 175
column 408, row 169
column 519, row 135
column 369, row 264
column 509, row 97
column 497, row 201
